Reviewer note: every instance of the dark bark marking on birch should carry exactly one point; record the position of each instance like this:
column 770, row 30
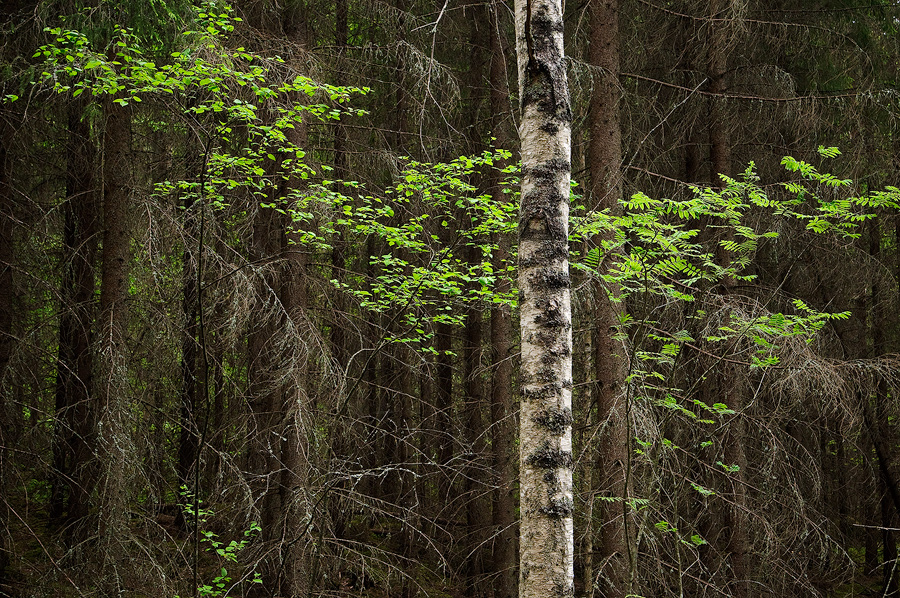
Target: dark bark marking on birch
column 544, row 392
column 546, row 67
column 551, row 316
column 547, row 253
column 547, row 171
column 542, row 220
column 556, row 421
column 542, row 217
column 559, row 508
column 549, row 339
column 552, row 279
column 549, row 457
column 546, row 374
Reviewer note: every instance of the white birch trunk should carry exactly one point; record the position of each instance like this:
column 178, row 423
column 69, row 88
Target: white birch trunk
column 547, row 539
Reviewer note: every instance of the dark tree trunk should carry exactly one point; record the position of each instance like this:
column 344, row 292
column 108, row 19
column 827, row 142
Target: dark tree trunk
column 605, row 152
column 736, row 508
column 720, row 148
column 264, row 366
column 472, row 417
column 734, row 386
column 503, row 420
column 477, row 510
column 74, row 376
column 605, row 159
column 294, row 450
column 107, row 476
column 7, row 296
column 888, row 494
column 191, row 382
column 444, row 437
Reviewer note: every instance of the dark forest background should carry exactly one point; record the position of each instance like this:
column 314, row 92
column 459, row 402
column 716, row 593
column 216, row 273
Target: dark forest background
column 258, row 330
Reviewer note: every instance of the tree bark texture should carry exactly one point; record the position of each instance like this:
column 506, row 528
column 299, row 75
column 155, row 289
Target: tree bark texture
column 266, row 367
column 605, row 166
column 503, row 428
column 295, row 449
column 545, row 433
column 191, row 390
column 74, row 376
column 477, row 510
column 7, row 257
column 105, row 476
column 720, row 148
column 606, row 134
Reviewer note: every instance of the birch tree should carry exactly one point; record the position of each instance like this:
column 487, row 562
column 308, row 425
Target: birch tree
column 547, row 541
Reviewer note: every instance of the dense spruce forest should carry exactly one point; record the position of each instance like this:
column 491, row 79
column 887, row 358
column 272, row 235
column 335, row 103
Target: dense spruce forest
column 259, row 298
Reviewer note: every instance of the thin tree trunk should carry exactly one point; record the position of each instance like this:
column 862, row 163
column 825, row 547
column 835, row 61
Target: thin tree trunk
column 503, row 421
column 265, row 373
column 735, row 520
column 720, row 148
column 407, row 468
column 870, row 510
column 477, row 511
column 890, row 570
column 7, row 259
column 74, row 377
column 545, row 437
column 605, row 153
column 338, row 257
column 474, row 498
column 443, row 437
column 189, row 433
column 887, row 489
column 295, row 450
column 735, row 510
column 605, row 159
column 113, row 432
column 216, row 443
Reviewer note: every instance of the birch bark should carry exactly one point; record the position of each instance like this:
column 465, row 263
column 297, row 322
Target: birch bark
column 545, row 452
